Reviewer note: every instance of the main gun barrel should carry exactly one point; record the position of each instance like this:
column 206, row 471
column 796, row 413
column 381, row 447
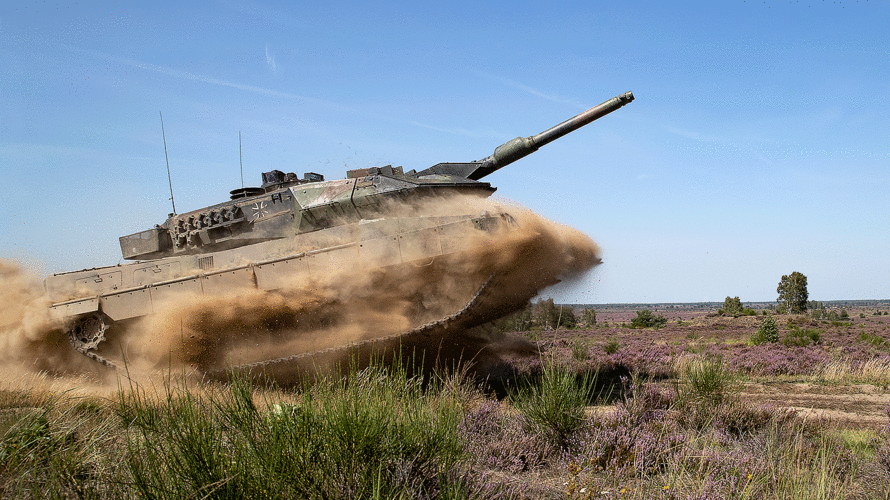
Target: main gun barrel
column 520, row 147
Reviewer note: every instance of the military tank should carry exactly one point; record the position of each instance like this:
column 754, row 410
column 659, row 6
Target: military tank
column 291, row 229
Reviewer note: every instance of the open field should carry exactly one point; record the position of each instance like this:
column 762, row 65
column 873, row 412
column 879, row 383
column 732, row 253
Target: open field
column 836, row 369
column 690, row 410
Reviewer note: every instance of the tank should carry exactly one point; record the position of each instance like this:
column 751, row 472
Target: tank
column 291, row 229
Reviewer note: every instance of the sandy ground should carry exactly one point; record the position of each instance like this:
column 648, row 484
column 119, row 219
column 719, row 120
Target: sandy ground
column 855, row 406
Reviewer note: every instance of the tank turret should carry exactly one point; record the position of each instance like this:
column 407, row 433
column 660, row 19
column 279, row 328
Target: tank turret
column 286, row 205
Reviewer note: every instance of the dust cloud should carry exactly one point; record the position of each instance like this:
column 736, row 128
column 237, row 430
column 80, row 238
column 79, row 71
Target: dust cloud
column 345, row 305
column 31, row 340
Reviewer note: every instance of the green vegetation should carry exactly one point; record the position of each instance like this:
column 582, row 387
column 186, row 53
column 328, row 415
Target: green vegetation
column 554, row 405
column 383, row 433
column 375, row 434
column 793, row 293
column 646, row 319
column 581, row 349
column 704, row 381
column 768, row 331
column 733, row 307
column 801, row 338
column 873, row 340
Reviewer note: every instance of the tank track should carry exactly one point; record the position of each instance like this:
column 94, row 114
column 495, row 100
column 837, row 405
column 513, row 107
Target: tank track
column 86, row 342
column 470, row 315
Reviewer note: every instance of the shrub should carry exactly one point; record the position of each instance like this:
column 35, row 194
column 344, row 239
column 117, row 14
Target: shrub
column 611, row 347
column 768, row 331
column 873, row 340
column 646, row 319
column 801, row 338
column 705, row 380
column 554, row 405
column 581, row 350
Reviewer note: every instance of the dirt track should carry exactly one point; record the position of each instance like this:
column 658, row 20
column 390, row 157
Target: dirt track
column 860, row 405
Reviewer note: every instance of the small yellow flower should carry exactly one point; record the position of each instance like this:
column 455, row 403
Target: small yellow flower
column 666, row 487
column 623, row 490
column 749, row 476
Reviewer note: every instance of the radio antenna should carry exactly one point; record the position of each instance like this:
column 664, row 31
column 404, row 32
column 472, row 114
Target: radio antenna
column 240, row 161
column 169, row 179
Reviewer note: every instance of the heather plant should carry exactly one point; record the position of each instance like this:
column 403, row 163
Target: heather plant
column 496, row 440
column 768, row 331
column 874, row 340
column 636, row 439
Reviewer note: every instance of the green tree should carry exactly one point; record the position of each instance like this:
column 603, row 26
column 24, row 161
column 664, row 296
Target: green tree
column 551, row 316
column 566, row 317
column 793, row 292
column 732, row 306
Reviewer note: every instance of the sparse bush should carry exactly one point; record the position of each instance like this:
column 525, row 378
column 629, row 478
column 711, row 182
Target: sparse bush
column 874, row 340
column 581, row 349
column 767, row 332
column 554, row 405
column 704, row 380
column 646, row 319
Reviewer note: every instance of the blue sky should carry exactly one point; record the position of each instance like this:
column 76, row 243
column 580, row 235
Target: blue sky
column 757, row 144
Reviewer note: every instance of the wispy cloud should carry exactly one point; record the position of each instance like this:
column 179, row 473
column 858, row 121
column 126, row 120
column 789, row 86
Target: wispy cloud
column 197, row 78
column 531, row 90
column 270, row 60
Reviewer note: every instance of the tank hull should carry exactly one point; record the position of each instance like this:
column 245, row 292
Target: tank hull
column 109, row 295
